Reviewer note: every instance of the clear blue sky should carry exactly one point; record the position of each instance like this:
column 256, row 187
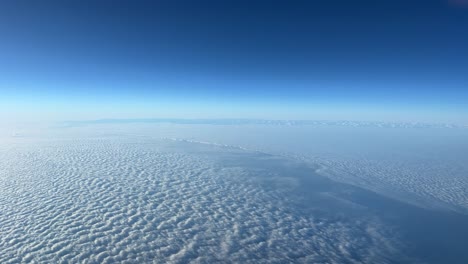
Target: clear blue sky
column 363, row 60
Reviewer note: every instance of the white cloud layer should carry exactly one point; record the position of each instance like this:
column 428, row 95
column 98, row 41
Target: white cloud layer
column 133, row 201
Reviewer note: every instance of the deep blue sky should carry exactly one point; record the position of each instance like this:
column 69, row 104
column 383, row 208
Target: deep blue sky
column 323, row 59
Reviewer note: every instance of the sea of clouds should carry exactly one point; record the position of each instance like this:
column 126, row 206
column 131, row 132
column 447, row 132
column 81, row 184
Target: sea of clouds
column 188, row 193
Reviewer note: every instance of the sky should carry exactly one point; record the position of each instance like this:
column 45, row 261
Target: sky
column 389, row 60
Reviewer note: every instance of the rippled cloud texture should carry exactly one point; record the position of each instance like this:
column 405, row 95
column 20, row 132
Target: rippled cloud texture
column 126, row 196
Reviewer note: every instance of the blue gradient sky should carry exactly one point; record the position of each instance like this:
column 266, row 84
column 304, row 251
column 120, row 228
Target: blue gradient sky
column 360, row 60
